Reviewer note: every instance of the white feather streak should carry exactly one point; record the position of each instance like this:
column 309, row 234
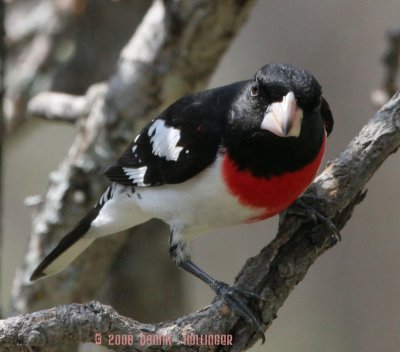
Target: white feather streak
column 164, row 140
column 136, row 174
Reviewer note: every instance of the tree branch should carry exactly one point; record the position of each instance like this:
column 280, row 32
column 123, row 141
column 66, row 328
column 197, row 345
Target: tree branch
column 390, row 60
column 57, row 106
column 273, row 273
column 52, row 45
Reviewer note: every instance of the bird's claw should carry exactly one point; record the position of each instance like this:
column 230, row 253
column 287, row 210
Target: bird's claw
column 241, row 291
column 300, row 207
column 233, row 296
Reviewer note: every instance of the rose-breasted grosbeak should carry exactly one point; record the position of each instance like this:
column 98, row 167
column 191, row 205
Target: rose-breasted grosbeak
column 235, row 154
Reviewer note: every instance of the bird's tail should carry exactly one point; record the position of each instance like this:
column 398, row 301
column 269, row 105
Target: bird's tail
column 116, row 211
column 73, row 244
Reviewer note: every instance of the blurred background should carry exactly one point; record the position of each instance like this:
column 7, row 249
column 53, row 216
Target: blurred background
column 350, row 299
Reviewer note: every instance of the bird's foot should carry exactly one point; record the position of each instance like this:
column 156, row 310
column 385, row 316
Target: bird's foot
column 233, row 296
column 302, row 208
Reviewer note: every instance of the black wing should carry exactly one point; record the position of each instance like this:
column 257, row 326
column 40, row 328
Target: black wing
column 181, row 142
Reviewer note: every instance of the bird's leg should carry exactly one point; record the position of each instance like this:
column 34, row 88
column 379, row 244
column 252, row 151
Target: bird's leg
column 300, row 207
column 233, row 296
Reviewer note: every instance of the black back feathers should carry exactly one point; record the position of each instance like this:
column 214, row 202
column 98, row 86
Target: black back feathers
column 180, row 143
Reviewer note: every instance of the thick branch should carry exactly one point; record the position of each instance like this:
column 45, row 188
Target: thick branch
column 273, row 273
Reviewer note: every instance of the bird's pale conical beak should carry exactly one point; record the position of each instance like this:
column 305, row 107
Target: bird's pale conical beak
column 283, row 118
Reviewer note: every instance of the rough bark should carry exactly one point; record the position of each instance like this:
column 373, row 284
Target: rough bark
column 168, row 56
column 273, row 273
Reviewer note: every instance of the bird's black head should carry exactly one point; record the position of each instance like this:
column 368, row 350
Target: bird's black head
column 276, row 80
column 280, row 97
column 284, row 113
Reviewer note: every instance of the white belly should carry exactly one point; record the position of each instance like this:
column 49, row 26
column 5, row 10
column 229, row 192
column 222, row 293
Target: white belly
column 197, row 205
column 200, row 203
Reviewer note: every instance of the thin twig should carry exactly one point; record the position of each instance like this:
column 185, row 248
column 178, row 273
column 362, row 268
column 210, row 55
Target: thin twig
column 390, row 60
column 57, row 106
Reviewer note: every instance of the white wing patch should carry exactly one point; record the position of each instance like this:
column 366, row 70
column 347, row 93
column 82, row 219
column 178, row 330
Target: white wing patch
column 136, row 174
column 164, row 140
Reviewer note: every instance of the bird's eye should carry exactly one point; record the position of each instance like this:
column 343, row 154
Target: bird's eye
column 254, row 91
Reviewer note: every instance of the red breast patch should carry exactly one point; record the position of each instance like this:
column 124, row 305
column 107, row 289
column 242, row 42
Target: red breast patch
column 274, row 194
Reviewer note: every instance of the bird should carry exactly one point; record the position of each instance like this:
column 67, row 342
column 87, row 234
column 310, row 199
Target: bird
column 235, row 154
